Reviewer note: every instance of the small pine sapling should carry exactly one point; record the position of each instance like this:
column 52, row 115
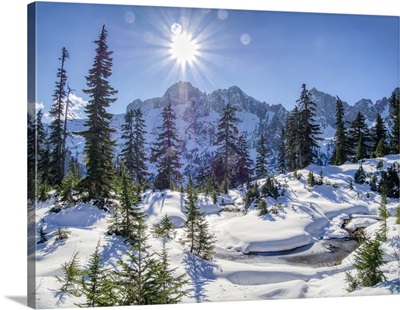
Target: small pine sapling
column 351, row 282
column 62, row 233
column 311, row 179
column 42, row 235
column 262, row 208
column 72, row 275
column 383, row 213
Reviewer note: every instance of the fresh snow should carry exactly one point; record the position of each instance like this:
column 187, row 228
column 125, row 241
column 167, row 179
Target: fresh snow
column 279, row 256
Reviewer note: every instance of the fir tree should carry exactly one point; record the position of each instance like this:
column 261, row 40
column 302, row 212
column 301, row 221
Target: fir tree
column 164, row 229
column 169, row 288
column 197, row 236
column 383, row 213
column 340, row 154
column 293, row 140
column 57, row 113
column 252, row 195
column 243, row 164
column 72, row 276
column 133, row 153
column 136, row 279
column 379, row 137
column 269, row 188
column 308, row 129
column 31, row 158
column 282, row 152
column 389, row 183
column 226, row 141
column 98, row 144
column 368, row 260
column 126, row 218
column 262, row 208
column 165, row 152
column 359, row 138
column 42, row 235
column 261, row 159
column 359, row 176
column 394, row 102
column 69, row 186
column 311, row 179
column 97, row 286
column 43, row 153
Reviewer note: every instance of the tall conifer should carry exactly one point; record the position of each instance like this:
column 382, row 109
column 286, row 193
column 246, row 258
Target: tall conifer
column 394, row 102
column 340, row 153
column 261, row 159
column 99, row 144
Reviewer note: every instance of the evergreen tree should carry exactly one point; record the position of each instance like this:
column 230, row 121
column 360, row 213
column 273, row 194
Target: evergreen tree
column 97, row 286
column 398, row 214
column 359, row 176
column 72, row 276
column 394, row 102
column 340, row 155
column 282, row 152
column 383, row 213
column 57, row 113
column 243, row 164
column 42, row 235
column 252, row 195
column 43, row 153
column 389, row 183
column 31, row 158
column 269, row 188
column 133, row 153
column 308, row 129
column 170, row 289
column 262, row 208
column 136, row 279
column 125, row 219
column 69, row 185
column 165, row 152
column 311, row 179
column 261, row 159
column 359, row 138
column 98, row 144
column 293, row 140
column 379, row 137
column 164, row 229
column 226, row 142
column 368, row 260
column 197, row 236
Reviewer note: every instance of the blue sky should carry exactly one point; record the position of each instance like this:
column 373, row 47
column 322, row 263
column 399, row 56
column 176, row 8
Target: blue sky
column 267, row 54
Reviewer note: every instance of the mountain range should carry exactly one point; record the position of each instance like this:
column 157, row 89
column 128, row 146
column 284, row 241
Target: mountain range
column 198, row 114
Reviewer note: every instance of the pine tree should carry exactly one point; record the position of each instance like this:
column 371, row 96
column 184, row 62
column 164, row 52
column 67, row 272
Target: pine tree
column 244, row 164
column 133, row 153
column 97, row 285
column 378, row 138
column 311, row 179
column 308, row 129
column 340, row 155
column 42, row 235
column 197, row 236
column 389, row 184
column 125, row 219
column 98, row 144
column 226, row 141
column 359, row 138
column 165, row 152
column 368, row 260
column 293, row 140
column 169, row 288
column 282, row 152
column 43, row 152
column 383, row 213
column 164, row 229
column 262, row 208
column 72, row 276
column 394, row 102
column 136, row 278
column 261, row 159
column 359, row 176
column 69, row 185
column 31, row 158
column 57, row 113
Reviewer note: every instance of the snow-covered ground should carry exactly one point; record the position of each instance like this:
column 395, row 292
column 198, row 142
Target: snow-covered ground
column 291, row 254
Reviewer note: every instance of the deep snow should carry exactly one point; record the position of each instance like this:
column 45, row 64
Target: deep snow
column 306, row 226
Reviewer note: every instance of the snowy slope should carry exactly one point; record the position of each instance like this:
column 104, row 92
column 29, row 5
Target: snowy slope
column 302, row 235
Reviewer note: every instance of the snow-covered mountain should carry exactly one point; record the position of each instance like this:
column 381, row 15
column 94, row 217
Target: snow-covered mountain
column 198, row 114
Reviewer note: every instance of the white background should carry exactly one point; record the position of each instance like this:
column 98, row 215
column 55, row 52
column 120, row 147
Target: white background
column 13, row 85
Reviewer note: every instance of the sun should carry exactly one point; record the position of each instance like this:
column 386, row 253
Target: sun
column 184, row 49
